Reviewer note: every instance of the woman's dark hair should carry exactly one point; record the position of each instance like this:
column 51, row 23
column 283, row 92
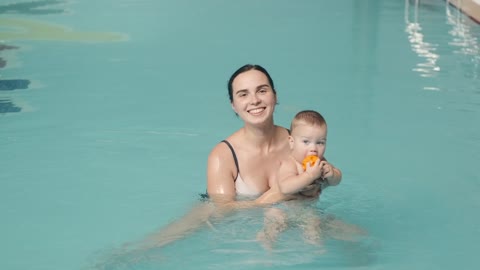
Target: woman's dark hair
column 245, row 68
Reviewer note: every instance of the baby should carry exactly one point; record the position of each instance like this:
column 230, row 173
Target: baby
column 308, row 138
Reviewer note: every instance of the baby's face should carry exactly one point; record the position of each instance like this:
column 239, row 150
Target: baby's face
column 308, row 140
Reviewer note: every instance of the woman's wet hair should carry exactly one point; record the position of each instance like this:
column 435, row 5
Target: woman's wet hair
column 246, row 68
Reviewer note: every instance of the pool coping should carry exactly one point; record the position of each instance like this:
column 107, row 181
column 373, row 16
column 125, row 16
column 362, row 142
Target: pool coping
column 471, row 8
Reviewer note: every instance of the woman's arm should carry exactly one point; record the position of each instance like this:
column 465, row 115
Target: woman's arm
column 221, row 190
column 221, row 173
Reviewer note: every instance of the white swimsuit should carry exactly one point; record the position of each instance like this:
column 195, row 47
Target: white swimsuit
column 241, row 187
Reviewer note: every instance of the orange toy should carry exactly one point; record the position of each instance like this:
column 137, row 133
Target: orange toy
column 308, row 159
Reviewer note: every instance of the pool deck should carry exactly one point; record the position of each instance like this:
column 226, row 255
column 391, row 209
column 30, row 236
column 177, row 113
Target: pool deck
column 470, row 7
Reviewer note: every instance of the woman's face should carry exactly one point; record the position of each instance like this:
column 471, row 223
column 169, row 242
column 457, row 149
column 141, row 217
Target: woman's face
column 253, row 97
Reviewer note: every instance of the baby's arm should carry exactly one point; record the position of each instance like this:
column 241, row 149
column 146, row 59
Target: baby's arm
column 294, row 181
column 274, row 195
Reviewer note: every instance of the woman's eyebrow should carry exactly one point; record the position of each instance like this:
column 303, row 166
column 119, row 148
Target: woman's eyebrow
column 241, row 91
column 246, row 90
column 263, row 85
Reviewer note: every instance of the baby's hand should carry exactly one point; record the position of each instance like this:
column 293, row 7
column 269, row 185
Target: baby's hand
column 327, row 169
column 316, row 170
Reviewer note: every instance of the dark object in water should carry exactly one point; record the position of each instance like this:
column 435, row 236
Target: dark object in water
column 8, row 107
column 9, row 85
column 7, row 47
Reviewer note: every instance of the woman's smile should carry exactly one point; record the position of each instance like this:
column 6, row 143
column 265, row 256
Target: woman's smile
column 256, row 111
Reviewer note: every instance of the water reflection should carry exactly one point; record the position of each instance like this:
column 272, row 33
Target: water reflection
column 6, row 104
column 16, row 27
column 13, row 84
column 42, row 7
column 461, row 33
column 429, row 67
column 464, row 39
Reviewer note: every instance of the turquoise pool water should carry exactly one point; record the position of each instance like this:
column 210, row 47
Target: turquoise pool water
column 108, row 111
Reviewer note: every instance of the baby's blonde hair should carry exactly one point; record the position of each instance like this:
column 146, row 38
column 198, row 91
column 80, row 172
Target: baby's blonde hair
column 309, row 117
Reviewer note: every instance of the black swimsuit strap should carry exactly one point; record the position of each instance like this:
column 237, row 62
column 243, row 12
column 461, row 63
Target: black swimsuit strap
column 234, row 157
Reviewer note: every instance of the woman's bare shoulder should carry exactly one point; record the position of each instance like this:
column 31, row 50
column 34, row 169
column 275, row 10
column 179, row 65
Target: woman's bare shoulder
column 282, row 133
column 222, row 149
column 281, row 138
column 220, row 164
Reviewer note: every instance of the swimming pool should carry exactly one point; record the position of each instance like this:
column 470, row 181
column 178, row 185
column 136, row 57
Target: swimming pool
column 108, row 112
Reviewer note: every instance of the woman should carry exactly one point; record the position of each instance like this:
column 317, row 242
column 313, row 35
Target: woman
column 244, row 162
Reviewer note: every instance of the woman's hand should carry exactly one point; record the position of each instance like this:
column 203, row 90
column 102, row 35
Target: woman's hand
column 312, row 190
